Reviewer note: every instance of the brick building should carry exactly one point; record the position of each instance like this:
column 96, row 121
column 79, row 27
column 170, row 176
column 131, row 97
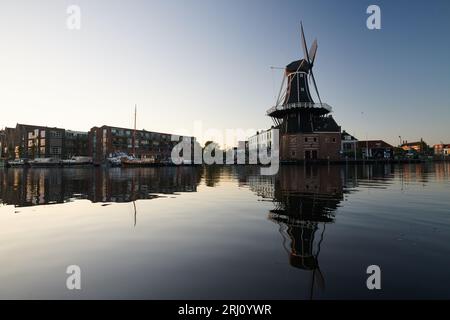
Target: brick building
column 106, row 141
column 32, row 141
column 76, row 143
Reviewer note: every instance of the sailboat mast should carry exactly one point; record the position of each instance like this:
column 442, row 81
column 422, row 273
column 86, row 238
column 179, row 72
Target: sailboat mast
column 134, row 132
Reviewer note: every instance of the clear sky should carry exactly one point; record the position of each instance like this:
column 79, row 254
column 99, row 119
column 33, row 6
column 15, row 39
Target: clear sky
column 209, row 60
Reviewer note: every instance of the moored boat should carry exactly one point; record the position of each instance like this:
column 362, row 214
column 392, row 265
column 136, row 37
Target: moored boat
column 135, row 162
column 46, row 162
column 115, row 159
column 17, row 163
column 77, row 161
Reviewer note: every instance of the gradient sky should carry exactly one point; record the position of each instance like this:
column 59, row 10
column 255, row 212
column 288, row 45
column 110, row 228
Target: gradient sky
column 209, row 60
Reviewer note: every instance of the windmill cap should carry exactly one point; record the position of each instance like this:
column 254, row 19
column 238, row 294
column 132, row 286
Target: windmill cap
column 293, row 66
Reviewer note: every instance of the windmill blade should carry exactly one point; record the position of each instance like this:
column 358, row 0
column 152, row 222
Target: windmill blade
column 312, row 52
column 305, row 48
column 320, row 280
column 315, row 86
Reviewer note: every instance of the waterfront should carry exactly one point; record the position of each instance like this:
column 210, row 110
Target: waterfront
column 226, row 232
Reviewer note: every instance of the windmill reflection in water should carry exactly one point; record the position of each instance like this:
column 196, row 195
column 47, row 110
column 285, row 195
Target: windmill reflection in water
column 305, row 200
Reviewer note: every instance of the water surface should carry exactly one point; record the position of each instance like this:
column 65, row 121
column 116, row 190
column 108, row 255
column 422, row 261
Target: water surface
column 309, row 232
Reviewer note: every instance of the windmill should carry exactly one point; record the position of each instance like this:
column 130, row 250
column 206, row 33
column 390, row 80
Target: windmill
column 295, row 110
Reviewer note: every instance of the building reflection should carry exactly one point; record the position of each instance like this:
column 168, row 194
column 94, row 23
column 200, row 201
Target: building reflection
column 22, row 187
column 305, row 200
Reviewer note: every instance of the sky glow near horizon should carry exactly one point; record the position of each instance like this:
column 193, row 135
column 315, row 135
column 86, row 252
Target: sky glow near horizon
column 209, row 61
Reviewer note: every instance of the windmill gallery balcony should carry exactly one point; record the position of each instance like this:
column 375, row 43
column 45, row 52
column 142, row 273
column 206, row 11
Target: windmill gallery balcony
column 280, row 110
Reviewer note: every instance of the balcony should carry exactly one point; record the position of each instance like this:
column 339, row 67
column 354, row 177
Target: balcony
column 281, row 109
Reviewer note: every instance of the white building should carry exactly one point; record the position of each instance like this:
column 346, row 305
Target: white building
column 261, row 141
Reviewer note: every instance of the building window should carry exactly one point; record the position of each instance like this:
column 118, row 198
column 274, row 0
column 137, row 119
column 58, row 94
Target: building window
column 42, row 133
column 315, row 139
column 56, row 150
column 306, row 139
column 55, row 134
column 334, row 139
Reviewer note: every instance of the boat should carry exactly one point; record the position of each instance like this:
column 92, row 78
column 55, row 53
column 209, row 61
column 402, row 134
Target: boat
column 45, row 162
column 77, row 161
column 135, row 162
column 17, row 163
column 115, row 159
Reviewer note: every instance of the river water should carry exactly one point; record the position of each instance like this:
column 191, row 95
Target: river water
column 226, row 232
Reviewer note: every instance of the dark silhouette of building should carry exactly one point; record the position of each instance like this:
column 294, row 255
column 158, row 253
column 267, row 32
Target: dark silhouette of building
column 376, row 149
column 307, row 130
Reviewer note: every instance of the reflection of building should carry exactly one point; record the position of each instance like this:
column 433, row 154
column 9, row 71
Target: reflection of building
column 47, row 186
column 305, row 200
column 106, row 140
column 303, row 197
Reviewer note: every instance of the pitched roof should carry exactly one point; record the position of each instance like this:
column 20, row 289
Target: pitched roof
column 374, row 144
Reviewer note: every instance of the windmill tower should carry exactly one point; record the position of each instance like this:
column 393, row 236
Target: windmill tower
column 306, row 127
